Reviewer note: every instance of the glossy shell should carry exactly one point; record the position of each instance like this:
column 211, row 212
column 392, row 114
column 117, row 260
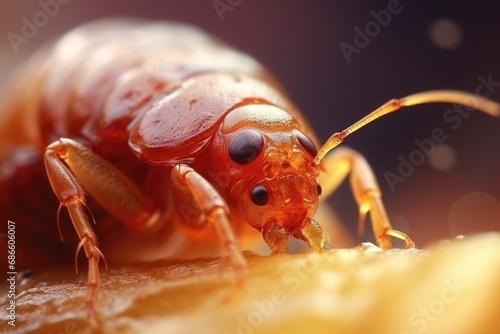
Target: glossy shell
column 143, row 95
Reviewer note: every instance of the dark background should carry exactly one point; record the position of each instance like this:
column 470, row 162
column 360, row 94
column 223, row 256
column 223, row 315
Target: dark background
column 299, row 42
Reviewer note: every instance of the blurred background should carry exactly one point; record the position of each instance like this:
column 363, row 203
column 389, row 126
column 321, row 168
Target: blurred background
column 336, row 76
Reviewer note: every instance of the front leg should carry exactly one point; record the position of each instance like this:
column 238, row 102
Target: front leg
column 336, row 166
column 210, row 207
column 71, row 168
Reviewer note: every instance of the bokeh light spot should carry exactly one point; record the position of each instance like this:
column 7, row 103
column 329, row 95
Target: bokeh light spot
column 473, row 213
column 443, row 158
column 446, row 34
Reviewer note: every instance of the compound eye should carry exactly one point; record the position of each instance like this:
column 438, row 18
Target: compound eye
column 245, row 146
column 319, row 189
column 306, row 143
column 259, row 195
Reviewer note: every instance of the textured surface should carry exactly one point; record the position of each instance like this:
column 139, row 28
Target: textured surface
column 450, row 288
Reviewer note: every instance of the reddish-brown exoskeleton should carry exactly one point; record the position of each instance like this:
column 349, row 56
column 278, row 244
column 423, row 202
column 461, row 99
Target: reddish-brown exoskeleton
column 180, row 145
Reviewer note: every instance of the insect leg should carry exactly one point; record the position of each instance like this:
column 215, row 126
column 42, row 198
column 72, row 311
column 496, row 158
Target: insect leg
column 71, row 195
column 106, row 184
column 337, row 165
column 213, row 208
column 71, row 167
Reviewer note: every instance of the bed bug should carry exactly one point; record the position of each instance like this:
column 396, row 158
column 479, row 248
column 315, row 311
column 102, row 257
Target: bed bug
column 175, row 146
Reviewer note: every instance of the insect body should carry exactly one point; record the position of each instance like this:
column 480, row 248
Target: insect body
column 176, row 145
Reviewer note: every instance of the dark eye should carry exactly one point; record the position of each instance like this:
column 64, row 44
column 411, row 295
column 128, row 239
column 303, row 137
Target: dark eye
column 245, row 146
column 259, row 195
column 306, row 143
column 318, row 189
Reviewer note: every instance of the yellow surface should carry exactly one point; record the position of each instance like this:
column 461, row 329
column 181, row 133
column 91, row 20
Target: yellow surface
column 451, row 288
